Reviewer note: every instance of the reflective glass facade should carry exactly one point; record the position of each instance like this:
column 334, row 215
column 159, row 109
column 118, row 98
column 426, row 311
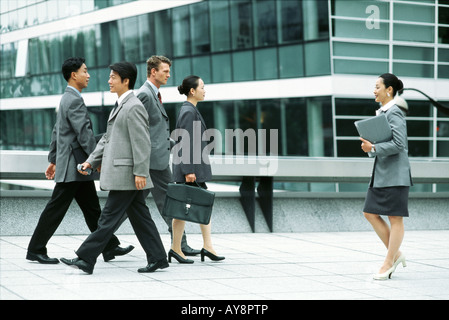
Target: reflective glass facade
column 247, row 41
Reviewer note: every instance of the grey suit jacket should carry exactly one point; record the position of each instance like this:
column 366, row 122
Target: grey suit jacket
column 159, row 127
column 123, row 152
column 391, row 165
column 72, row 124
column 197, row 162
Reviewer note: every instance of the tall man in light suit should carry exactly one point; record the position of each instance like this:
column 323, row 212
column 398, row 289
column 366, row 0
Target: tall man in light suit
column 158, row 72
column 124, row 156
column 73, row 127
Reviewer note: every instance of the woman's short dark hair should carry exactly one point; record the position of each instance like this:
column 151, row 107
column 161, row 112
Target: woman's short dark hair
column 71, row 65
column 126, row 70
column 190, row 82
column 390, row 80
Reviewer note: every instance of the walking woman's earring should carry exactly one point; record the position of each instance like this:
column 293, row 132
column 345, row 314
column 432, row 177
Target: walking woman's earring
column 388, row 94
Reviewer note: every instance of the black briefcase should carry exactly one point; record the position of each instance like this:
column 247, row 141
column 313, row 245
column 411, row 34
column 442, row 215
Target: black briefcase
column 189, row 203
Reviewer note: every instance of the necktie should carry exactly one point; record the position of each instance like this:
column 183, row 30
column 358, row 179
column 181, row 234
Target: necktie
column 115, row 107
column 159, row 96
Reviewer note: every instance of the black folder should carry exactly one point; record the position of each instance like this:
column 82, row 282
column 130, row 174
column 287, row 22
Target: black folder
column 375, row 129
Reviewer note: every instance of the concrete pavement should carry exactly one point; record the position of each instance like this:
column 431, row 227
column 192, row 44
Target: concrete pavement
column 258, row 266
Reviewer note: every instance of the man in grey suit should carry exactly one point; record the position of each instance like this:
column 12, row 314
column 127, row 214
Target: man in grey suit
column 124, row 156
column 158, row 72
column 73, row 130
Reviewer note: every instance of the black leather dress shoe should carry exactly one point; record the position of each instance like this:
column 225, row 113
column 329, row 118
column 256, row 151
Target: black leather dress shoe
column 80, row 264
column 189, row 251
column 151, row 267
column 41, row 258
column 117, row 251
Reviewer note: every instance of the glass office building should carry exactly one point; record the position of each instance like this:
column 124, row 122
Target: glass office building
column 304, row 67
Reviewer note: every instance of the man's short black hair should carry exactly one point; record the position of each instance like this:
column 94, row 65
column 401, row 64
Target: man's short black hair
column 126, row 70
column 71, row 65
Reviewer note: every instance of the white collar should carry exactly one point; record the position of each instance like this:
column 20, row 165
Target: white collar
column 123, row 96
column 69, row 86
column 386, row 107
column 156, row 89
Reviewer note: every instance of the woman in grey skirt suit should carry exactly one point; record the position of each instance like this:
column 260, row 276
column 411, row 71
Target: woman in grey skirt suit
column 389, row 187
column 197, row 169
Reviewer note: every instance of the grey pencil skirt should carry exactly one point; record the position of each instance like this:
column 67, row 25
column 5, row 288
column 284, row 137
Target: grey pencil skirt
column 389, row 201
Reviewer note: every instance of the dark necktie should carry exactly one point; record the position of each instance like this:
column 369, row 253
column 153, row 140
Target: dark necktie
column 115, row 107
column 159, row 96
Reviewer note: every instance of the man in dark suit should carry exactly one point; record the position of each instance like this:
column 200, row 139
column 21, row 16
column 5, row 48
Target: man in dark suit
column 158, row 72
column 73, row 129
column 124, row 156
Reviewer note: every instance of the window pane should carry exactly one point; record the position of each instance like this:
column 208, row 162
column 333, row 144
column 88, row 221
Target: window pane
column 113, row 47
column 358, row 29
column 181, row 68
column 443, row 72
column 296, row 127
column 409, row 12
column 413, row 70
column 201, row 68
column 443, row 129
column 361, row 107
column 346, row 128
column 443, row 35
column 146, row 37
column 265, row 28
column 349, row 148
column 221, row 68
column 199, row 21
column 243, row 66
column 90, row 48
column 163, row 33
column 8, row 60
column 266, row 64
column 408, row 32
column 242, row 35
column 443, row 149
column 443, row 55
column 317, row 58
column 291, row 61
column 357, row 9
column 220, row 29
column 181, row 34
column 419, row 128
column 270, row 118
column 443, row 15
column 413, row 53
column 316, row 20
column 420, row 148
column 129, row 36
column 360, row 50
column 290, row 20
column 419, row 108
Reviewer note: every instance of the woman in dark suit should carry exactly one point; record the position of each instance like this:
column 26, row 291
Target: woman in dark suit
column 389, row 187
column 196, row 169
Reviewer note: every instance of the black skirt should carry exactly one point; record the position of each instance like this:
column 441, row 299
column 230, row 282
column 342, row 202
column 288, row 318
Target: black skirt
column 390, row 201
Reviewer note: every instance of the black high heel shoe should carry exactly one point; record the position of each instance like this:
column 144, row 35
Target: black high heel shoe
column 180, row 259
column 210, row 255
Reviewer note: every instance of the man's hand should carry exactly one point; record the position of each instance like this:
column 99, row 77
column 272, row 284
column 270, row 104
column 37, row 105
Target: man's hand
column 84, row 166
column 50, row 172
column 141, row 182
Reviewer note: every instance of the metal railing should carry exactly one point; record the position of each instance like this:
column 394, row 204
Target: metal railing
column 252, row 170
